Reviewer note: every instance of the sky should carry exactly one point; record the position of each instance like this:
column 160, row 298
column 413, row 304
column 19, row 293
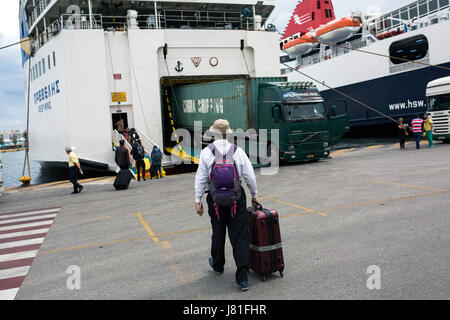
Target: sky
column 12, row 99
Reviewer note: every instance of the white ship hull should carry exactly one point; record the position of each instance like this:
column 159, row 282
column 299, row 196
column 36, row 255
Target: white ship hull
column 79, row 112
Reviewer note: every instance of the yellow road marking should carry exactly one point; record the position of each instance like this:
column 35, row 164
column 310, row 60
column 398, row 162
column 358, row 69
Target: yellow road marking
column 91, row 245
column 364, row 204
column 374, row 147
column 169, row 254
column 146, row 227
column 406, row 185
column 341, row 151
column 295, row 206
column 153, row 235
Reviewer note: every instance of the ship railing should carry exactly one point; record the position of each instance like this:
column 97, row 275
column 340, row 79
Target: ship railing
column 425, row 10
column 147, row 143
column 81, row 21
column 38, row 10
column 166, row 20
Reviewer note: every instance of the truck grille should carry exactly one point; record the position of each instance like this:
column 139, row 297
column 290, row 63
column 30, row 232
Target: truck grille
column 441, row 124
column 308, row 137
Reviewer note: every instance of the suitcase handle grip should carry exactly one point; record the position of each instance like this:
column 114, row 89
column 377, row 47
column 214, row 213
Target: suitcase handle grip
column 257, row 205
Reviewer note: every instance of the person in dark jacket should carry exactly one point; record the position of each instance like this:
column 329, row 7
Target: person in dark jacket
column 138, row 154
column 122, row 156
column 157, row 161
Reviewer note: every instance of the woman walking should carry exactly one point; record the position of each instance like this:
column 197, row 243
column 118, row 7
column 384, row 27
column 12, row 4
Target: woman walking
column 402, row 132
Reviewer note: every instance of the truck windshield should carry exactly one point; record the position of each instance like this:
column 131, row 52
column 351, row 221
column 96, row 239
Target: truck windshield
column 439, row 103
column 303, row 112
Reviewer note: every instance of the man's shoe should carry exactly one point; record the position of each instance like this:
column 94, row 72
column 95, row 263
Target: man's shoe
column 243, row 286
column 80, row 188
column 211, row 263
column 75, row 192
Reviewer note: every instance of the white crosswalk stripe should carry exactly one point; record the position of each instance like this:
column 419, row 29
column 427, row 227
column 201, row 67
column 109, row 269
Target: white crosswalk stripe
column 23, row 233
column 20, row 239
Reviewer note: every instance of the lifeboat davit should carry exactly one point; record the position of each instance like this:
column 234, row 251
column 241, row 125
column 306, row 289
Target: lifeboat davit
column 338, row 30
column 300, row 46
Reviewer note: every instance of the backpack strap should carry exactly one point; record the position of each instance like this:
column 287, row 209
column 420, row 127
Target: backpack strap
column 229, row 155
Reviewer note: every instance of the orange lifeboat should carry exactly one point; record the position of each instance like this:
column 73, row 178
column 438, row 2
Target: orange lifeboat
column 301, row 45
column 338, row 30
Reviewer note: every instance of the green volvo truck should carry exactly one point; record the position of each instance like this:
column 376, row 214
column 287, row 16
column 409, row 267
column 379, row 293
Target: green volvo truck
column 307, row 126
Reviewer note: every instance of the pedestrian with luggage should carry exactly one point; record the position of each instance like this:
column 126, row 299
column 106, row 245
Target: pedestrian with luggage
column 428, row 128
column 402, row 132
column 416, row 125
column 74, row 169
column 221, row 169
column 124, row 176
column 122, row 156
column 138, row 154
column 156, row 157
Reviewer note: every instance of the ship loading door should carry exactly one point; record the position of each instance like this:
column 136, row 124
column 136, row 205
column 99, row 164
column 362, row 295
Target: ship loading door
column 338, row 120
column 120, row 121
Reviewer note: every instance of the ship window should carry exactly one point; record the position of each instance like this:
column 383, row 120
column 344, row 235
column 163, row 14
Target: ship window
column 433, row 5
column 40, row 69
column 326, row 13
column 413, row 12
column 412, row 49
column 443, row 3
column 318, row 4
column 313, row 16
column 395, row 19
column 54, row 59
column 404, row 15
column 49, row 64
column 423, row 9
column 43, row 65
column 330, row 13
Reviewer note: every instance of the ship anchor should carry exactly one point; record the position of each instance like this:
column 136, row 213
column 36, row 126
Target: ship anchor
column 179, row 67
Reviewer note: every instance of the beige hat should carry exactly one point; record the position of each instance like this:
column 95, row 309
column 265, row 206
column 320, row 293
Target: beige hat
column 221, row 126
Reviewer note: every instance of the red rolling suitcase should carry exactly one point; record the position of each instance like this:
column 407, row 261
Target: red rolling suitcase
column 266, row 252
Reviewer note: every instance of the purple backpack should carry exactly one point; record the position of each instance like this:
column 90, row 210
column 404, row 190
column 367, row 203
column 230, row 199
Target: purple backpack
column 224, row 183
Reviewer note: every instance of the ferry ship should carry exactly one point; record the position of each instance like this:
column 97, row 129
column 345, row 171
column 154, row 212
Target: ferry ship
column 382, row 60
column 91, row 64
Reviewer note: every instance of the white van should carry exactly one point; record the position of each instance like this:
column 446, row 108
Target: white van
column 438, row 107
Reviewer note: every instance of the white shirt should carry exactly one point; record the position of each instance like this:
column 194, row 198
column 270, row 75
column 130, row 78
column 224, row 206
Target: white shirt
column 242, row 163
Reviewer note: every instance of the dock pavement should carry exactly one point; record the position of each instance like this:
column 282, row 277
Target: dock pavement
column 365, row 212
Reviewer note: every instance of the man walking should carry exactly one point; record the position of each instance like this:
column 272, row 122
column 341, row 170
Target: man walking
column 122, row 156
column 416, row 125
column 74, row 169
column 138, row 154
column 428, row 128
column 221, row 169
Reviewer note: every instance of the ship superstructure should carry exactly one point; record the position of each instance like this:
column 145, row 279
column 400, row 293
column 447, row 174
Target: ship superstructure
column 385, row 63
column 92, row 64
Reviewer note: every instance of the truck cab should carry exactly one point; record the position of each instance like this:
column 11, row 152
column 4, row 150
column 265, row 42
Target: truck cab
column 438, row 107
column 306, row 127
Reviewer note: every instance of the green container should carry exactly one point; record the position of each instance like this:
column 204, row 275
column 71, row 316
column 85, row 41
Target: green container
column 233, row 100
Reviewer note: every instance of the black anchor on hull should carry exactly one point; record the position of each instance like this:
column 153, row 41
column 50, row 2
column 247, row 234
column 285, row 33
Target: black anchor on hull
column 179, row 67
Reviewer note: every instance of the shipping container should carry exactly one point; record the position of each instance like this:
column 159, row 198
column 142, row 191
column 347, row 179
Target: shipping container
column 233, row 100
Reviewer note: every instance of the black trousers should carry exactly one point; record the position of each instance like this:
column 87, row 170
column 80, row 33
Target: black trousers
column 237, row 233
column 73, row 176
column 402, row 141
column 140, row 165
